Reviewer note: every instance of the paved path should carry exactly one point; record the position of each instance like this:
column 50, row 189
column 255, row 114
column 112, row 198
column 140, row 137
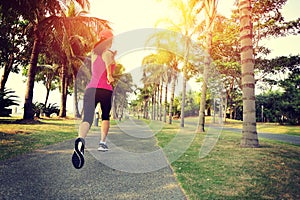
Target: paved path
column 48, row 173
column 293, row 139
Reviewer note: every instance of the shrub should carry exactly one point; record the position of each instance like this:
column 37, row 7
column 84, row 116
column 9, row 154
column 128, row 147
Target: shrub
column 7, row 99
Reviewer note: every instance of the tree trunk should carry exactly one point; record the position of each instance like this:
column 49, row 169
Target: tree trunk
column 201, row 120
column 166, row 102
column 146, row 104
column 63, row 99
column 28, row 111
column 76, row 109
column 173, row 83
column 160, row 101
column 249, row 138
column 47, row 96
column 183, row 101
column 186, row 57
column 7, row 70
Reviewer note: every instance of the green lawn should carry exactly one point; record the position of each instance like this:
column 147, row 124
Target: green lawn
column 230, row 172
column 18, row 138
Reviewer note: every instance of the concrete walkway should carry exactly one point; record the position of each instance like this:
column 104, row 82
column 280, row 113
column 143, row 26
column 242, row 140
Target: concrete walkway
column 292, row 139
column 49, row 174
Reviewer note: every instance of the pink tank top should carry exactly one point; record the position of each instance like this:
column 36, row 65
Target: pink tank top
column 99, row 75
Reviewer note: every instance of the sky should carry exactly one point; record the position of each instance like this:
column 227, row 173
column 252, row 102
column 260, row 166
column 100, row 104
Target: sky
column 130, row 15
column 135, row 14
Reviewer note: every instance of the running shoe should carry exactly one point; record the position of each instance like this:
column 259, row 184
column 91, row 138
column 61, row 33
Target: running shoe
column 102, row 147
column 77, row 157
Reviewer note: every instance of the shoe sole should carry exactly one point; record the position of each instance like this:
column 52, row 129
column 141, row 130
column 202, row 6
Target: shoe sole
column 77, row 157
column 103, row 150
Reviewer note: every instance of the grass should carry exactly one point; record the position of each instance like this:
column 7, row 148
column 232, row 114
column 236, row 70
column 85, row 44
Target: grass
column 18, row 138
column 231, row 172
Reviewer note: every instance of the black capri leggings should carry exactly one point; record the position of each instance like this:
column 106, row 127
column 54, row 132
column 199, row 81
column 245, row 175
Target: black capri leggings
column 92, row 97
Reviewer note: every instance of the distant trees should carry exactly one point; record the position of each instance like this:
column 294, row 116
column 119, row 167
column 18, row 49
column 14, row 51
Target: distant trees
column 15, row 43
column 282, row 105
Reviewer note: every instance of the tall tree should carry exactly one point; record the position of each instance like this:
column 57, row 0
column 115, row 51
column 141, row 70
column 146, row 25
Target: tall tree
column 249, row 138
column 168, row 41
column 123, row 86
column 188, row 26
column 210, row 8
column 77, row 33
column 14, row 42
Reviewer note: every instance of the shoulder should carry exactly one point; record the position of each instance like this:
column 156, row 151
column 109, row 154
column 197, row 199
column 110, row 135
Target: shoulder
column 108, row 52
column 109, row 55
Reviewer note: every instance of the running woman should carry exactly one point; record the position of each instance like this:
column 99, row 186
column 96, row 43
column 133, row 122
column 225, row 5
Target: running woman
column 99, row 90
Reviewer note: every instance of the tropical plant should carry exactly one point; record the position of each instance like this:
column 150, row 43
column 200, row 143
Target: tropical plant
column 168, row 57
column 7, row 99
column 37, row 109
column 210, row 8
column 51, row 109
column 157, row 73
column 123, row 86
column 188, row 26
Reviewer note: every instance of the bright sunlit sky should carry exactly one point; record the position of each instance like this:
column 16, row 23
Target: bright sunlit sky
column 137, row 14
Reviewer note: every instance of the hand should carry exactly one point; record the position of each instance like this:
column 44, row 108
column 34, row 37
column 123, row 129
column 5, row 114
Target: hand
column 110, row 79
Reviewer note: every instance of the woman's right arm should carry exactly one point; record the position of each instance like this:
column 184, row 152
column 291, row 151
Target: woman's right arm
column 108, row 58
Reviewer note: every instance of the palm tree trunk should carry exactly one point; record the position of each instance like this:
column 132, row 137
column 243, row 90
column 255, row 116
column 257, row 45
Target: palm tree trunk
column 76, row 109
column 47, row 96
column 186, row 56
column 28, row 111
column 249, row 138
column 146, row 105
column 201, row 120
column 63, row 99
column 160, row 100
column 166, row 102
column 183, row 101
column 173, row 83
column 7, row 70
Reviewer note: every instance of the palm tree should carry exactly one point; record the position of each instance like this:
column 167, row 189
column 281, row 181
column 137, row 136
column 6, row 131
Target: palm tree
column 158, row 72
column 210, row 7
column 78, row 33
column 167, row 42
column 152, row 75
column 187, row 26
column 122, row 87
column 249, row 132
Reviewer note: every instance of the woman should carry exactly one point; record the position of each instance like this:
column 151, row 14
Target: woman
column 99, row 90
